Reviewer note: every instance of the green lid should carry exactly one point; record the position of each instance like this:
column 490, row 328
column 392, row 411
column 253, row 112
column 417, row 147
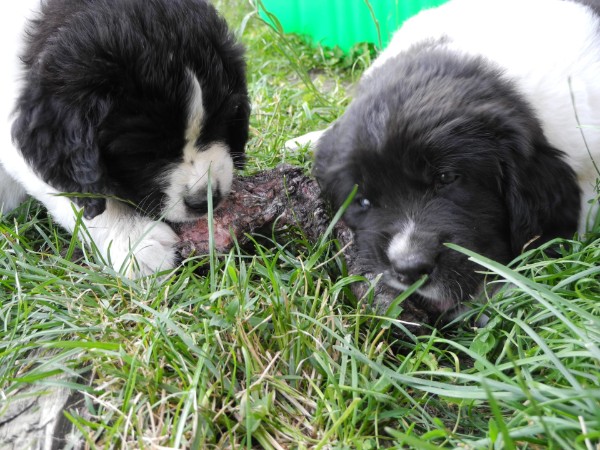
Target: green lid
column 343, row 23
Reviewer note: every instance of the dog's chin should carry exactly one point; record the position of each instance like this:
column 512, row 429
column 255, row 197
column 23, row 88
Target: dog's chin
column 436, row 297
column 184, row 214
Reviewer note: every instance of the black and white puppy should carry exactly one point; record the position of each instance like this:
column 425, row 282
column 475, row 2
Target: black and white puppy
column 127, row 109
column 476, row 126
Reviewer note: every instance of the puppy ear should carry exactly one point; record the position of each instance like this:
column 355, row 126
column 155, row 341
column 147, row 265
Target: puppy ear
column 542, row 196
column 59, row 143
column 330, row 166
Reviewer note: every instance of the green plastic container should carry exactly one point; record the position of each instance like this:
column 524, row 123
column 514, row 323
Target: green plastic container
column 343, row 23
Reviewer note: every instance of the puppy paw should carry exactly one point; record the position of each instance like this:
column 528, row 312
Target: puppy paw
column 149, row 247
column 309, row 140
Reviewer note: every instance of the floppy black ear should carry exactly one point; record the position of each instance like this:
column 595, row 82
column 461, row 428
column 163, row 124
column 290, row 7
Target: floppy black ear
column 542, row 196
column 58, row 140
column 330, row 165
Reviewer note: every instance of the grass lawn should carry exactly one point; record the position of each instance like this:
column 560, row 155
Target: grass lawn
column 268, row 350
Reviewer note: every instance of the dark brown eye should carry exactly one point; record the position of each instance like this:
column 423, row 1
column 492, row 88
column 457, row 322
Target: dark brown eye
column 445, row 178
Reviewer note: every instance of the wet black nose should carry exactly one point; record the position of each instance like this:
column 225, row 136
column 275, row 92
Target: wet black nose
column 198, row 204
column 412, row 267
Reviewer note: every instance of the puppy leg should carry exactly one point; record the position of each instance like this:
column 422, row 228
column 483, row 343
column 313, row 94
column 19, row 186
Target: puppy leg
column 132, row 244
column 308, row 139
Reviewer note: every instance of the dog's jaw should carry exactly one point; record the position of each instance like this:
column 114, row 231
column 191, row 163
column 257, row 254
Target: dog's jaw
column 188, row 182
column 436, row 296
column 414, row 255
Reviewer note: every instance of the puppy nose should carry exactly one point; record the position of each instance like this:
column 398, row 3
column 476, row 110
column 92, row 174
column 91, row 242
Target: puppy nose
column 413, row 266
column 198, row 203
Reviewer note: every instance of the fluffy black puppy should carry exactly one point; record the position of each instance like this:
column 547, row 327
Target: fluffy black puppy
column 464, row 131
column 133, row 108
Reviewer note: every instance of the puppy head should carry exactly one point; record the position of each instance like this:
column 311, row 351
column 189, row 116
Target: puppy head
column 168, row 163
column 146, row 102
column 442, row 149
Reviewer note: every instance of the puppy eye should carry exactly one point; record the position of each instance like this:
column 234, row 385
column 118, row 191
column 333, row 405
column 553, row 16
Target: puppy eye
column 445, row 178
column 364, row 203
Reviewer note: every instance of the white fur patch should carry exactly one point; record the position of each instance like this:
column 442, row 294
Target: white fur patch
column 401, row 244
column 11, row 192
column 12, row 21
column 195, row 110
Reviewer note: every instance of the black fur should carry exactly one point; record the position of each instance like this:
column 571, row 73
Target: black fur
column 443, row 141
column 593, row 4
column 104, row 105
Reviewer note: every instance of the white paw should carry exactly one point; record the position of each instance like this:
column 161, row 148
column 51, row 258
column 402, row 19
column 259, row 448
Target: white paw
column 309, row 139
column 146, row 247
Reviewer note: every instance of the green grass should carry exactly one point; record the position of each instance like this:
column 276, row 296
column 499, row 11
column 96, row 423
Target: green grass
column 268, row 350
